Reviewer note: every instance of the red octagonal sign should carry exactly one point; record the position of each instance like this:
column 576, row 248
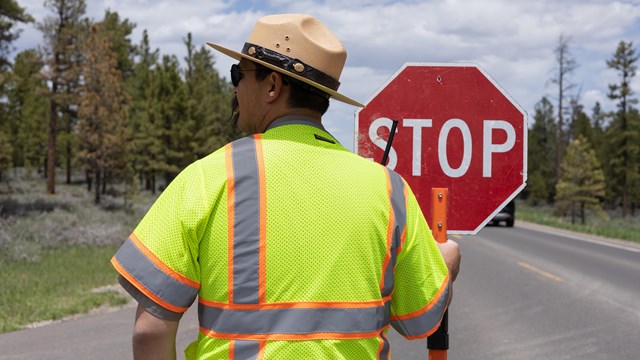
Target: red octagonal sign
column 457, row 129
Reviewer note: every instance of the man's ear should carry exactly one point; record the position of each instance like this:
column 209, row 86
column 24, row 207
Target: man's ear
column 275, row 86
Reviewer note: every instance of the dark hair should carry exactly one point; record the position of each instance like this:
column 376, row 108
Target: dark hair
column 301, row 95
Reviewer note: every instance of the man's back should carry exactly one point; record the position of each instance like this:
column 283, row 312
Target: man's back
column 293, row 242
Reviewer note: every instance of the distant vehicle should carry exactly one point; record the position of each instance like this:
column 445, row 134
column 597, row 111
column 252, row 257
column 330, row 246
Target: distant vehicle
column 506, row 214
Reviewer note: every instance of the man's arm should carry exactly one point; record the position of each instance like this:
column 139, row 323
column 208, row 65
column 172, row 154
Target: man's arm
column 451, row 253
column 154, row 338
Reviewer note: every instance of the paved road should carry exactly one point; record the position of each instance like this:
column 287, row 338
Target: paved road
column 522, row 294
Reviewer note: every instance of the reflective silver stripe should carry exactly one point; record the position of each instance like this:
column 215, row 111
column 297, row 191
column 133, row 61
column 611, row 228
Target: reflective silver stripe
column 134, row 262
column 294, row 320
column 399, row 219
column 424, row 323
column 246, row 227
column 246, row 350
column 384, row 352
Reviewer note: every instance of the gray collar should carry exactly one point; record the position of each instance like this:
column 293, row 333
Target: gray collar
column 295, row 120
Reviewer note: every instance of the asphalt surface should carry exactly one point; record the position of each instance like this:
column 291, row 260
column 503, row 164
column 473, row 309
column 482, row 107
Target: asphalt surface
column 523, row 293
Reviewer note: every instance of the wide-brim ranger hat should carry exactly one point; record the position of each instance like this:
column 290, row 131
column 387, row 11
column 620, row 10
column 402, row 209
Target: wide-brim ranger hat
column 299, row 46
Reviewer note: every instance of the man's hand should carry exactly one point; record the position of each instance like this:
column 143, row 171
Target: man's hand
column 451, row 254
column 153, row 338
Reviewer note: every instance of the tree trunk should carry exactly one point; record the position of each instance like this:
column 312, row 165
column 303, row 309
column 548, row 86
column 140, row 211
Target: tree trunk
column 104, row 182
column 89, row 180
column 582, row 212
column 51, row 150
column 97, row 189
column 69, row 158
column 573, row 213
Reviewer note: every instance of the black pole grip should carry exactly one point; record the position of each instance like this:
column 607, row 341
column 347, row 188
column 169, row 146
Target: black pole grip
column 439, row 340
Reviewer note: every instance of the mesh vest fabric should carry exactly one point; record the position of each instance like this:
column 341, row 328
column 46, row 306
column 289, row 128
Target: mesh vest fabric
column 326, row 218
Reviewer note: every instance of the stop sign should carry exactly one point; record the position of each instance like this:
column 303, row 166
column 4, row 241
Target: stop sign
column 457, row 129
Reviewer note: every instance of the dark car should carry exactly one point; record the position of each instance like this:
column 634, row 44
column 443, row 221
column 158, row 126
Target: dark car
column 506, row 214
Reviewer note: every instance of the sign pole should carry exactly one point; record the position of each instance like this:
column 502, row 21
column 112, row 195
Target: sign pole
column 438, row 342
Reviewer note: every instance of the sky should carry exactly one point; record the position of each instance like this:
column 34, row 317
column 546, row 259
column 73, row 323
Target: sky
column 512, row 40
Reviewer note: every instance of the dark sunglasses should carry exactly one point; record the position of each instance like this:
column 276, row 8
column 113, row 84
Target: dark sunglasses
column 236, row 74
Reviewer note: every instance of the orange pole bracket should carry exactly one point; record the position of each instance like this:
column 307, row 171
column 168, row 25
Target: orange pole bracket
column 439, row 200
column 438, row 342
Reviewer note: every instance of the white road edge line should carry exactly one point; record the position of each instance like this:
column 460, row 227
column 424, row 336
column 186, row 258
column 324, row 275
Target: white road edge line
column 577, row 237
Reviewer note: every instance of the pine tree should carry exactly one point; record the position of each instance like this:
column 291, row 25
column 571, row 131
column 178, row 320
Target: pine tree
column 28, row 110
column 209, row 96
column 581, row 186
column 103, row 110
column 566, row 65
column 176, row 126
column 624, row 130
column 62, row 33
column 542, row 153
column 580, row 124
column 5, row 152
column 10, row 15
column 141, row 114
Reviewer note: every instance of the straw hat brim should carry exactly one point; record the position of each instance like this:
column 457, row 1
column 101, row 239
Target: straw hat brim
column 238, row 55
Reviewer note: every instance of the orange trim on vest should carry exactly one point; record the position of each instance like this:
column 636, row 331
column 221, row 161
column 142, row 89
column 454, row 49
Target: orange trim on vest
column 231, row 349
column 162, row 266
column 297, row 305
column 387, row 256
column 381, row 347
column 263, row 345
column 292, row 337
column 144, row 290
column 262, row 257
column 430, row 332
column 230, row 219
column 428, row 307
column 406, row 206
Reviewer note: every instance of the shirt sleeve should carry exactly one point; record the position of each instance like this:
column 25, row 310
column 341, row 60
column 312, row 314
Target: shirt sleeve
column 159, row 260
column 421, row 278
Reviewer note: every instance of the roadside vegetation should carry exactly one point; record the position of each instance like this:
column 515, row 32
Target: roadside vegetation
column 612, row 226
column 55, row 251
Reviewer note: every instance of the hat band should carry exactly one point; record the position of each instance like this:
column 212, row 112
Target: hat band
column 291, row 65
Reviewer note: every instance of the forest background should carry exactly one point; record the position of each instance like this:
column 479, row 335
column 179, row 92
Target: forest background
column 93, row 127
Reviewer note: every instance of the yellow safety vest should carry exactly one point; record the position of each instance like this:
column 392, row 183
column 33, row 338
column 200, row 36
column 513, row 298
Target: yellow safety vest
column 295, row 247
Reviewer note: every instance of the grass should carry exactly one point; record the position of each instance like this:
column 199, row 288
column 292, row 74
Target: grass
column 59, row 284
column 55, row 250
column 616, row 227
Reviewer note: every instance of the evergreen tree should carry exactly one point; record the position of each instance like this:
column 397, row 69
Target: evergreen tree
column 62, row 32
column 209, row 96
column 5, row 152
column 119, row 31
column 145, row 139
column 580, row 123
column 598, row 119
column 565, row 66
column 542, row 153
column 625, row 128
column 176, row 127
column 581, row 186
column 10, row 15
column 103, row 110
column 28, row 110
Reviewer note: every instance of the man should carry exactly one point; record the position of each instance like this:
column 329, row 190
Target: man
column 295, row 247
